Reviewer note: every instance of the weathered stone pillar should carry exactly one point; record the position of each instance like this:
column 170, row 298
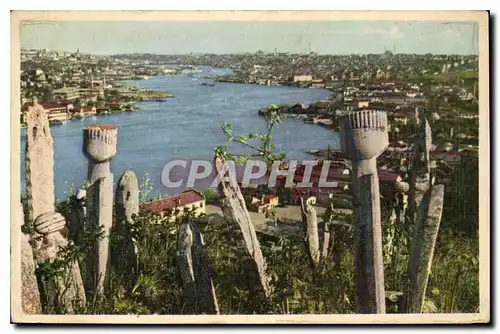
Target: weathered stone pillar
column 422, row 248
column 234, row 208
column 69, row 291
column 39, row 163
column 99, row 146
column 30, row 295
column 41, row 210
column 198, row 286
column 420, row 173
column 124, row 254
column 310, row 219
column 364, row 137
column 425, row 210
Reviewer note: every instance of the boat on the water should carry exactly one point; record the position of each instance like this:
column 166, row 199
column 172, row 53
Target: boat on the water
column 57, row 122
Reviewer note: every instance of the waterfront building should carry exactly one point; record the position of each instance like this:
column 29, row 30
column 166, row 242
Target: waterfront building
column 55, row 112
column 188, row 200
column 302, row 78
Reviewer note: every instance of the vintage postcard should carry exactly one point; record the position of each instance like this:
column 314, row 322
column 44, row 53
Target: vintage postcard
column 250, row 167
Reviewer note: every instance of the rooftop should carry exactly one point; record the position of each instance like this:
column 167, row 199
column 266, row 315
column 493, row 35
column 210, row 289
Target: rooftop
column 171, row 202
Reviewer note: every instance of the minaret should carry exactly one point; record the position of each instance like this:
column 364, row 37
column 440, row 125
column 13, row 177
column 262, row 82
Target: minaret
column 364, row 137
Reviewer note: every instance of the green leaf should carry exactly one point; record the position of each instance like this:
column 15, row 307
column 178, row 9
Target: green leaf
column 435, row 291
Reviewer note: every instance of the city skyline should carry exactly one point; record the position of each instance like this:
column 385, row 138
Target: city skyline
column 225, row 37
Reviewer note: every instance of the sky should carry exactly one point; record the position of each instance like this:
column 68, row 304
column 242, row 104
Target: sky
column 323, row 37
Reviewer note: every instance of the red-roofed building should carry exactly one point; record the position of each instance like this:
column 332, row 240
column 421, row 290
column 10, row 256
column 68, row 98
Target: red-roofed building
column 190, row 199
column 339, row 180
column 266, row 203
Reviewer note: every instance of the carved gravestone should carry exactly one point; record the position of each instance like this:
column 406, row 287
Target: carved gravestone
column 67, row 282
column 364, row 137
column 39, row 163
column 199, row 292
column 422, row 248
column 234, row 208
column 310, row 219
column 41, row 210
column 99, row 146
column 123, row 252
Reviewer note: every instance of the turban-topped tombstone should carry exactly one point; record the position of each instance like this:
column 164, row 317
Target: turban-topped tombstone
column 364, row 136
column 99, row 146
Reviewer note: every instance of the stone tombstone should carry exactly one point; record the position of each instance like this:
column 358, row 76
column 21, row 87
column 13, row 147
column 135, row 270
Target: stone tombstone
column 310, row 219
column 41, row 210
column 39, row 163
column 426, row 143
column 420, row 174
column 199, row 292
column 30, row 295
column 68, row 282
column 234, row 208
column 99, row 146
column 124, row 254
column 422, row 248
column 364, row 137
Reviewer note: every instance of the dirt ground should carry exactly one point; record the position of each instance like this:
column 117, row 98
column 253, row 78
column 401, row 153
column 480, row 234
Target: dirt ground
column 291, row 219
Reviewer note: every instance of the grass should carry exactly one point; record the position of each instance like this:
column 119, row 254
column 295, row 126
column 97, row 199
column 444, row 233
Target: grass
column 156, row 288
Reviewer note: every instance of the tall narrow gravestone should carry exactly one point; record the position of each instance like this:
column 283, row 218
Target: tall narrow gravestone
column 41, row 210
column 99, row 146
column 426, row 207
column 123, row 254
column 234, row 209
column 39, row 163
column 364, row 137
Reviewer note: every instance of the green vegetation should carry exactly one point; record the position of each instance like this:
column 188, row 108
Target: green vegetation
column 296, row 286
column 297, row 289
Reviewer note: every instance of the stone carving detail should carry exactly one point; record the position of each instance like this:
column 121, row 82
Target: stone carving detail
column 68, row 282
column 364, row 137
column 99, row 146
